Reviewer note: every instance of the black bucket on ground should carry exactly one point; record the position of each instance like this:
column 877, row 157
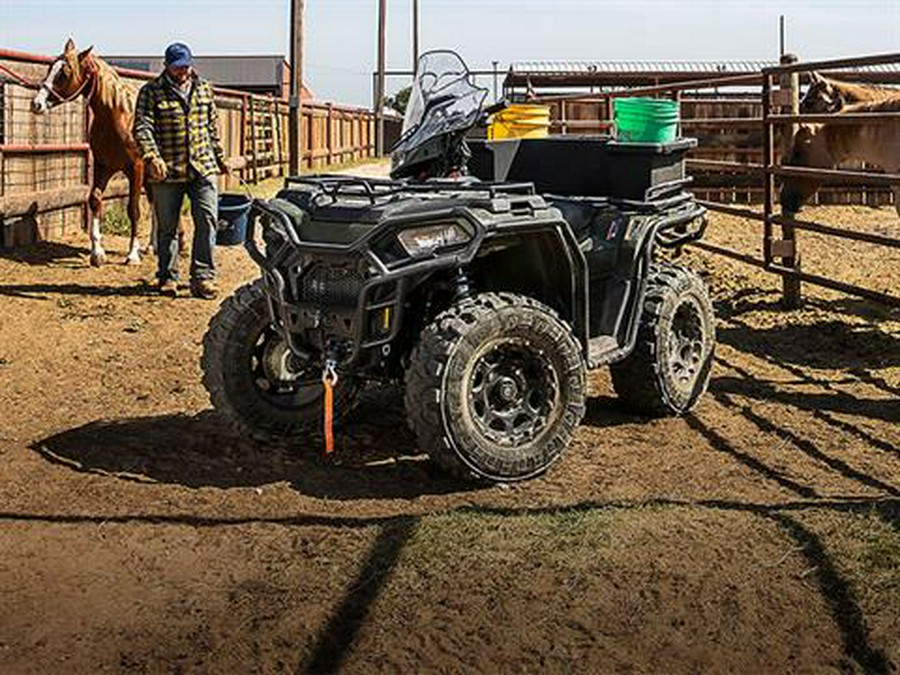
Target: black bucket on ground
column 231, row 228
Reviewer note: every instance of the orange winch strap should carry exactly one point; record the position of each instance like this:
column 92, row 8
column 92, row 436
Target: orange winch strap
column 329, row 415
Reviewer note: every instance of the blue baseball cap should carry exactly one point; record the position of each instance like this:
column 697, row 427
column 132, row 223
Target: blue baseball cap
column 179, row 55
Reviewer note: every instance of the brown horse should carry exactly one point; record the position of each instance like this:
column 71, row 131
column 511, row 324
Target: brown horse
column 824, row 146
column 111, row 101
column 825, row 95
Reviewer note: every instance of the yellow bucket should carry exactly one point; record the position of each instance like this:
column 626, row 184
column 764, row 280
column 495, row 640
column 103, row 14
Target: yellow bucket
column 520, row 121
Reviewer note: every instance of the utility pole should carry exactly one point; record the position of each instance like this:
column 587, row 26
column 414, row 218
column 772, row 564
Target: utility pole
column 495, row 78
column 295, row 103
column 379, row 89
column 781, row 35
column 415, row 54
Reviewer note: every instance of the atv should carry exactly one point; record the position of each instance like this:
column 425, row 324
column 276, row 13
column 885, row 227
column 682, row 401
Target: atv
column 488, row 298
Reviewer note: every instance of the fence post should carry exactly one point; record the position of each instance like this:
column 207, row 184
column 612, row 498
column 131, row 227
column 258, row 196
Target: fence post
column 791, row 290
column 306, row 123
column 276, row 136
column 243, row 139
column 88, row 165
column 329, row 132
column 252, row 104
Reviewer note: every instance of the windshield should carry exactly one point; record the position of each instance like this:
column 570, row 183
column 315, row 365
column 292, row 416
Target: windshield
column 443, row 98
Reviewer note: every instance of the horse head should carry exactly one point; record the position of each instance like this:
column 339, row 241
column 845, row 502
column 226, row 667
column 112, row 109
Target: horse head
column 809, row 149
column 68, row 77
column 821, row 96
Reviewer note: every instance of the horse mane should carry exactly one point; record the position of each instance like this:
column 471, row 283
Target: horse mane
column 112, row 90
column 852, row 87
column 884, row 106
column 826, row 95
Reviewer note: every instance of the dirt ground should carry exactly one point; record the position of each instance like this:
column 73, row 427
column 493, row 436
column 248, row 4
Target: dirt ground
column 139, row 535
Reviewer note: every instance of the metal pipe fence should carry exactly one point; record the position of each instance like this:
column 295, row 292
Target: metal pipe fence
column 739, row 157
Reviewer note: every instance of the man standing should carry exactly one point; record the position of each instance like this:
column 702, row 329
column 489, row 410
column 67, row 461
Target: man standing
column 176, row 129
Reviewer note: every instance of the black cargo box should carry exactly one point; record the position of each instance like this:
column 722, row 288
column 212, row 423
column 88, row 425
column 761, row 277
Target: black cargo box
column 584, row 165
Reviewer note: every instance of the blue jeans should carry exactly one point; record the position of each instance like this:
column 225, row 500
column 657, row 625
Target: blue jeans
column 167, row 200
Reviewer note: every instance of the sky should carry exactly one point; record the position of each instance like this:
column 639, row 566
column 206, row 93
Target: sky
column 340, row 35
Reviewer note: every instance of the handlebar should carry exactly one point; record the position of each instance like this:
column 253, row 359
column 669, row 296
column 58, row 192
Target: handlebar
column 502, row 104
column 492, row 109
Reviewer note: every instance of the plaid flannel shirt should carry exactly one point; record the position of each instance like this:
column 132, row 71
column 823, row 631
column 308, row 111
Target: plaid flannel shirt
column 181, row 130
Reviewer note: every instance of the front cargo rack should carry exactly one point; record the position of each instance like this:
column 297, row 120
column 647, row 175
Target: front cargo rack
column 378, row 189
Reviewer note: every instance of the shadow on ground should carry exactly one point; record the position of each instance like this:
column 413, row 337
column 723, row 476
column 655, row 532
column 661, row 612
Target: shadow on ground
column 41, row 291
column 47, row 252
column 608, row 411
column 376, row 456
column 817, row 345
column 804, row 337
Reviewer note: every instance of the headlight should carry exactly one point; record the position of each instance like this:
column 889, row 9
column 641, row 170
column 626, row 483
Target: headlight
column 418, row 241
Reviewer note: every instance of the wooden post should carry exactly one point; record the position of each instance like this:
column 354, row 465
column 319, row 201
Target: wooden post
column 243, row 139
column 329, row 133
column 677, row 98
column 792, row 292
column 88, row 166
column 295, row 102
column 252, row 105
column 379, row 89
column 276, row 135
column 308, row 125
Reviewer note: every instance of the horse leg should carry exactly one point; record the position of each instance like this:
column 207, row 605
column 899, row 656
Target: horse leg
column 135, row 178
column 95, row 201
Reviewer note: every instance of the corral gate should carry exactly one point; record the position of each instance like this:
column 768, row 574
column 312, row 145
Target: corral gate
column 779, row 91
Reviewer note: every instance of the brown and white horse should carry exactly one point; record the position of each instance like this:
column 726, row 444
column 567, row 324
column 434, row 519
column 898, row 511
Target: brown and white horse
column 825, row 95
column 111, row 100
column 824, row 146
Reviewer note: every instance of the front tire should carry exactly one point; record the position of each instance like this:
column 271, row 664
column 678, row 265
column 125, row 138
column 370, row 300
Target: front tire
column 252, row 378
column 496, row 388
column 670, row 366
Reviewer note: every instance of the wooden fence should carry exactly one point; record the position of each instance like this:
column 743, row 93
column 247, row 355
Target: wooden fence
column 45, row 162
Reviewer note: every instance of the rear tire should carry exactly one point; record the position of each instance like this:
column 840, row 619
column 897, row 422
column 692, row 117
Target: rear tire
column 247, row 370
column 670, row 366
column 496, row 388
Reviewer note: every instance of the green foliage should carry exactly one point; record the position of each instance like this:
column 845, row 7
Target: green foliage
column 115, row 219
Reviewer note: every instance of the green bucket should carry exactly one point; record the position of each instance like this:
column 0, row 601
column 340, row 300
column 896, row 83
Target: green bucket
column 645, row 120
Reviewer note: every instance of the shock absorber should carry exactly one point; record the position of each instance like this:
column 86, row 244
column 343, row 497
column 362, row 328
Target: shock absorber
column 463, row 285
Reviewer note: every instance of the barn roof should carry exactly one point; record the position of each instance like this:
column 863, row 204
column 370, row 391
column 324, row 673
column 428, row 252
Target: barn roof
column 251, row 72
column 574, row 67
column 649, row 73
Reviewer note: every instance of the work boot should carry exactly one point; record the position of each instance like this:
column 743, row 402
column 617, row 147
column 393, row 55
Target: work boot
column 204, row 288
column 169, row 288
